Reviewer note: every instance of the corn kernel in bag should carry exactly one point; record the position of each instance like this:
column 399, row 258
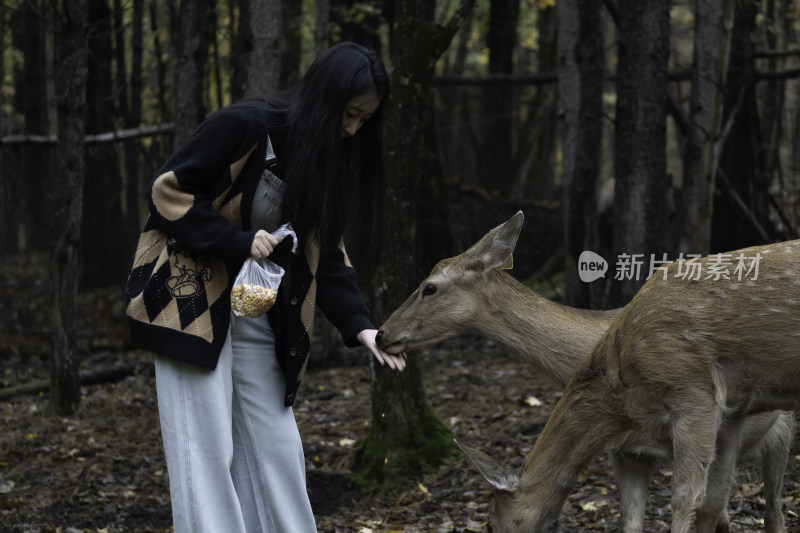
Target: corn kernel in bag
column 256, row 287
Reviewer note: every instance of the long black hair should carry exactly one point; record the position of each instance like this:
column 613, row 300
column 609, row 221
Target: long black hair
column 330, row 180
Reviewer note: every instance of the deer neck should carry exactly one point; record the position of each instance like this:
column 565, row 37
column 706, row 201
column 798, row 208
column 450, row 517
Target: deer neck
column 550, row 337
column 579, row 427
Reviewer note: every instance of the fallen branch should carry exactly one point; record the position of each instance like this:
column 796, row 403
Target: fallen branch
column 108, row 374
column 94, row 138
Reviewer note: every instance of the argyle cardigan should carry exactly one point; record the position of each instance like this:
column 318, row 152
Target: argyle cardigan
column 196, row 239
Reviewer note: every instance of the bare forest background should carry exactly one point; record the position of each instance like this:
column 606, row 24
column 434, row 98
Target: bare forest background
column 622, row 126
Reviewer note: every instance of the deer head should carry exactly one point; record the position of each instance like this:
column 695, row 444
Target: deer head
column 447, row 301
column 504, row 480
column 512, row 510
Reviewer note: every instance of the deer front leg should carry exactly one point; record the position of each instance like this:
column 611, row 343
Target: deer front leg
column 712, row 515
column 694, row 438
column 774, row 454
column 633, row 477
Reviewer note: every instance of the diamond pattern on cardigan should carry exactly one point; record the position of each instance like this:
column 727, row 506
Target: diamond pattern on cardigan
column 232, row 210
column 181, row 289
column 189, row 308
column 156, row 295
column 171, row 201
column 151, row 244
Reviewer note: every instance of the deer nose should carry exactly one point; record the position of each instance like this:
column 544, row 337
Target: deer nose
column 379, row 337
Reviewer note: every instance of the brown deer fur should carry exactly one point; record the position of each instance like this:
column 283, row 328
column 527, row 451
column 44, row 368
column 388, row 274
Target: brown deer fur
column 469, row 292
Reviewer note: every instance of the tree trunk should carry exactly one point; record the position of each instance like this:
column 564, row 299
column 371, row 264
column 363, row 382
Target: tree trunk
column 462, row 46
column 322, row 19
column 102, row 194
column 640, row 142
column 501, row 100
column 407, row 438
column 5, row 200
column 161, row 70
column 72, row 31
column 192, row 55
column 290, row 43
column 256, row 54
column 434, row 240
column 580, row 89
column 216, row 64
column 131, row 178
column 714, row 19
column 535, row 167
column 738, row 157
column 264, row 65
column 121, row 86
column 451, row 102
column 772, row 119
column 241, row 47
column 25, row 188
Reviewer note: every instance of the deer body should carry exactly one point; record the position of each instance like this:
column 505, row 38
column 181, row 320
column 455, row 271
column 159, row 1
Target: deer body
column 683, row 365
column 468, row 292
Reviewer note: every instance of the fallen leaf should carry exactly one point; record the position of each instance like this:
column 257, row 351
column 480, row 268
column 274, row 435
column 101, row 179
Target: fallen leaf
column 588, row 506
column 533, row 401
column 473, row 526
column 749, row 490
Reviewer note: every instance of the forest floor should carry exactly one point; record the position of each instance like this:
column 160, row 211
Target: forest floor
column 103, row 469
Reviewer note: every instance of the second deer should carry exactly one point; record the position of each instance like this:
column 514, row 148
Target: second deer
column 472, row 292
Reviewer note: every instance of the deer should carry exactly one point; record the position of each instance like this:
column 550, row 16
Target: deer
column 473, row 292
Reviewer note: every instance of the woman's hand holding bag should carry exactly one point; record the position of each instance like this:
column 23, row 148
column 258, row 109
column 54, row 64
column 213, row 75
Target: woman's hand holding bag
column 256, row 287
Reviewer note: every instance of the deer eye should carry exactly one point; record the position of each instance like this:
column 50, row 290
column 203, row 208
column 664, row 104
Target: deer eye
column 429, row 289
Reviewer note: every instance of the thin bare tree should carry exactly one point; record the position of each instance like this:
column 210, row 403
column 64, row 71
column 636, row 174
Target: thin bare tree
column 256, row 57
column 192, row 57
column 263, row 73
column 580, row 88
column 71, row 25
column 640, row 164
column 713, row 24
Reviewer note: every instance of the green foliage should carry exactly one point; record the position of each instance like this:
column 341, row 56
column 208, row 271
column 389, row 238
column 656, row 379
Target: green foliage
column 477, row 54
column 357, row 21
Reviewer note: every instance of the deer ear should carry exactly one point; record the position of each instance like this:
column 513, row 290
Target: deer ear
column 498, row 475
column 495, row 248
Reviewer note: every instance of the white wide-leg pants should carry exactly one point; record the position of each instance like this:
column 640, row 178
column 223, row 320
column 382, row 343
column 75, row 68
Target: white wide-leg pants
column 233, row 450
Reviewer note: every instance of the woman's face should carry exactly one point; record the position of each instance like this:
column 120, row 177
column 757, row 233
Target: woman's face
column 357, row 111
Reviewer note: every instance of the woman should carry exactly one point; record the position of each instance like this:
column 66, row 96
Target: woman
column 226, row 383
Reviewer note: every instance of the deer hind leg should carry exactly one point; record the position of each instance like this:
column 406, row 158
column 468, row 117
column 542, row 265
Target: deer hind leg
column 694, row 435
column 711, row 514
column 774, row 454
column 633, row 476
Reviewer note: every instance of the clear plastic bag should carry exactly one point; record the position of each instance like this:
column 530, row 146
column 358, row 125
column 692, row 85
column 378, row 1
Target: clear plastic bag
column 256, row 286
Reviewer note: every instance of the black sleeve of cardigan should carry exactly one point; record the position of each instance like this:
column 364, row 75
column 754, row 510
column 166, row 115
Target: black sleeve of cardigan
column 340, row 299
column 182, row 196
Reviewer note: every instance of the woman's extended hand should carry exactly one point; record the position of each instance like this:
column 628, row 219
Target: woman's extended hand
column 367, row 338
column 263, row 244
